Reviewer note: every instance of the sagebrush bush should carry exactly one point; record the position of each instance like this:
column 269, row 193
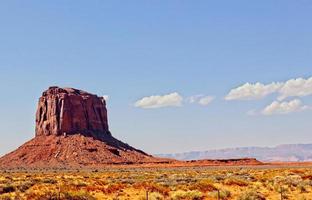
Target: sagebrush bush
column 302, row 188
column 113, row 188
column 293, row 180
column 251, row 195
column 186, row 195
column 155, row 196
column 203, row 186
column 78, row 195
column 49, row 181
column 223, row 194
column 235, row 181
column 45, row 196
column 23, row 187
column 79, row 183
column 152, row 187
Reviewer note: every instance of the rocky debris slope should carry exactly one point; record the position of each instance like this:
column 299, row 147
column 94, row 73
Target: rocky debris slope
column 72, row 151
column 72, row 130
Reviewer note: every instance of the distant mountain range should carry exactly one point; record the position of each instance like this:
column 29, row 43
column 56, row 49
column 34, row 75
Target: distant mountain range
column 286, row 153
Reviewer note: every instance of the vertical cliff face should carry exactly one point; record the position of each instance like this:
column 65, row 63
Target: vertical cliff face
column 69, row 111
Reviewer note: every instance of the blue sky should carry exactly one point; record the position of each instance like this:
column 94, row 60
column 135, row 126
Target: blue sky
column 130, row 50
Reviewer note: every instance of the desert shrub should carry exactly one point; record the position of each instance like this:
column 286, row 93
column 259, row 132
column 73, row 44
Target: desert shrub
column 224, row 194
column 281, row 189
column 302, row 188
column 308, row 182
column 293, row 180
column 153, row 187
column 235, row 181
column 49, row 181
column 218, row 177
column 7, row 189
column 94, row 188
column 186, row 195
column 25, row 186
column 113, row 188
column 5, row 197
column 79, row 183
column 45, row 196
column 155, row 196
column 203, row 186
column 109, row 189
column 79, row 195
column 52, row 195
column 251, row 195
column 127, row 181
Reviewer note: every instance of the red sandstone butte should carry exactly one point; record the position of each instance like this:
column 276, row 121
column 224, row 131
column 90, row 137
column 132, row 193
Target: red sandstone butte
column 72, row 131
column 69, row 111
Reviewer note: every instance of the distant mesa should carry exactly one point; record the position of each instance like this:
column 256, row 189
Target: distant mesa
column 280, row 153
column 72, row 130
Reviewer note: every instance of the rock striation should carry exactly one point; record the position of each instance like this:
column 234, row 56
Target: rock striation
column 68, row 111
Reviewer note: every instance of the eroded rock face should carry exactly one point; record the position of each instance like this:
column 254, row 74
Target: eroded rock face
column 63, row 111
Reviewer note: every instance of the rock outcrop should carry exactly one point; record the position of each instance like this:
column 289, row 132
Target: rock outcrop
column 69, row 111
column 72, row 131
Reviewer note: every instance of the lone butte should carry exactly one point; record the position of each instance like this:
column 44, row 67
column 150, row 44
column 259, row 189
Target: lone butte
column 72, row 131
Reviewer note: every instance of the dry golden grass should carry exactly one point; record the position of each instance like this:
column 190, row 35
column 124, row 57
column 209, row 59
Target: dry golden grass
column 247, row 183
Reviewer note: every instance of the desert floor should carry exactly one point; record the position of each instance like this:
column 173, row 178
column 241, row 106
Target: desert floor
column 241, row 183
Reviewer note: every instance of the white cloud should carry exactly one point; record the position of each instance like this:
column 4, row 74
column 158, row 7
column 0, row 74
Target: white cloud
column 201, row 99
column 250, row 91
column 292, row 88
column 158, row 101
column 284, row 107
column 195, row 98
column 296, row 88
column 204, row 101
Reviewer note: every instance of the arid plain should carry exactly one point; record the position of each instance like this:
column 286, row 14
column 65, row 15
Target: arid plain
column 209, row 182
